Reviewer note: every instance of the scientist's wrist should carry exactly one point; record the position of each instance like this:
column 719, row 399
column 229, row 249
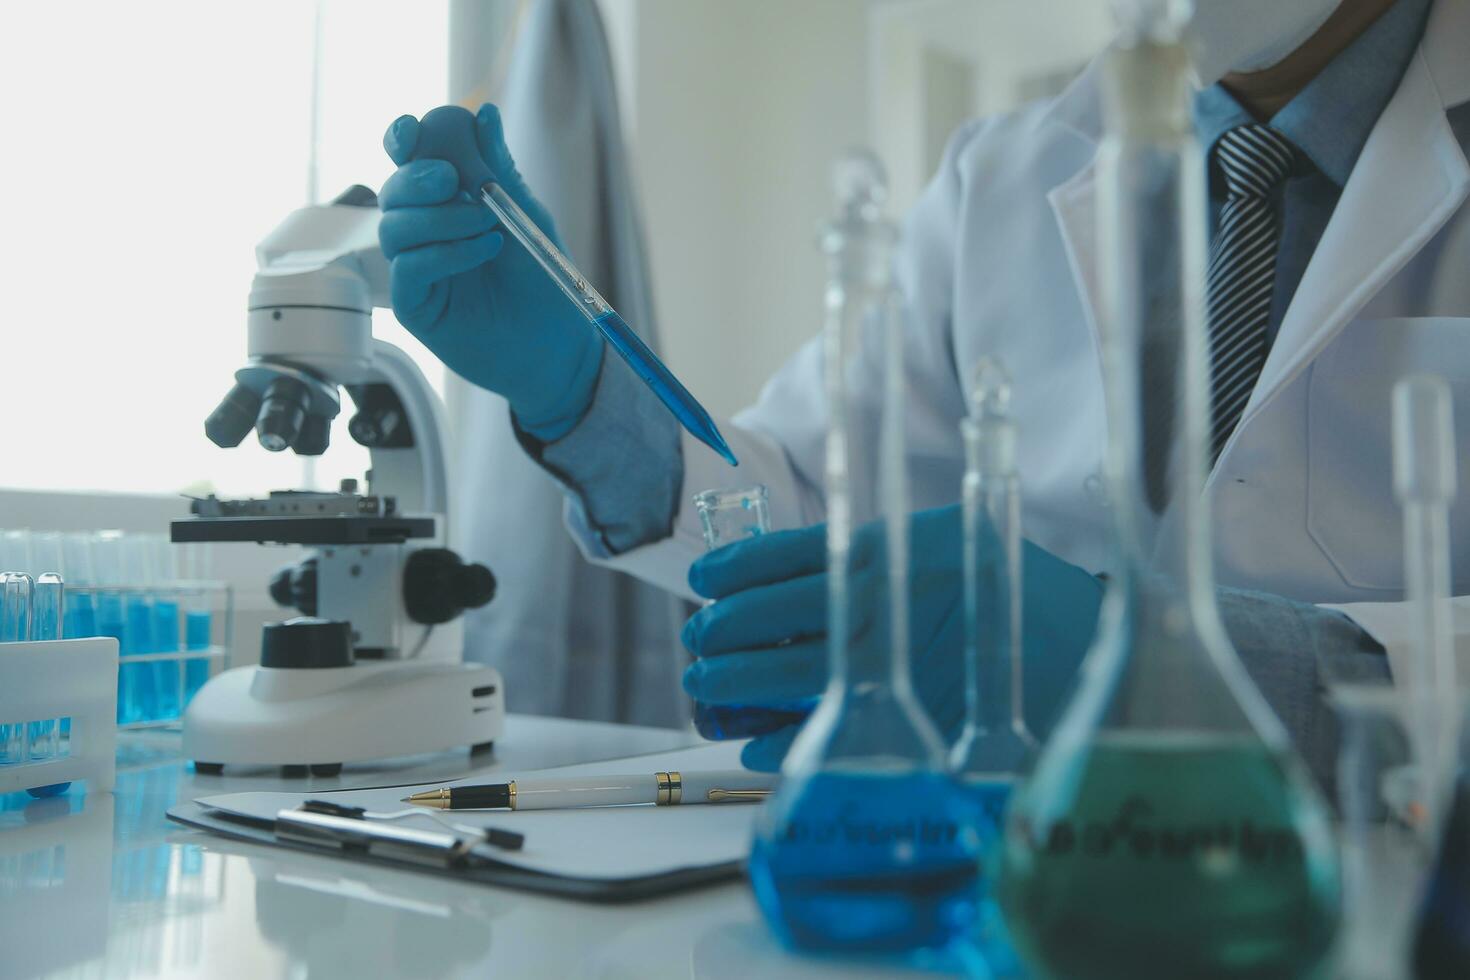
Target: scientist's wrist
column 552, row 419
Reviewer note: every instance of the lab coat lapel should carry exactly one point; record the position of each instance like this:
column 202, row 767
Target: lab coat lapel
column 1409, row 180
column 1075, row 204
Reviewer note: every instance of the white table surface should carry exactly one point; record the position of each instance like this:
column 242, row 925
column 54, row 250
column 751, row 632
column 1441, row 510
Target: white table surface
column 106, row 886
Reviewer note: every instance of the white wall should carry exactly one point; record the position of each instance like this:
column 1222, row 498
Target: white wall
column 736, row 112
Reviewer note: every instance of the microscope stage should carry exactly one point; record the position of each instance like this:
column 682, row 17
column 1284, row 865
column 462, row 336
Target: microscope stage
column 304, row 530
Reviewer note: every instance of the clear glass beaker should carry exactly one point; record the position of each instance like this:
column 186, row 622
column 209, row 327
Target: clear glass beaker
column 867, row 845
column 1168, row 830
column 727, row 516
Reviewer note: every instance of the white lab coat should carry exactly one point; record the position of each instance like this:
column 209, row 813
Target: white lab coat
column 999, row 258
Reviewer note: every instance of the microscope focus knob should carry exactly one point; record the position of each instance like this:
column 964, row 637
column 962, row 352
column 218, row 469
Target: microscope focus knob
column 305, row 643
column 295, row 586
column 438, row 585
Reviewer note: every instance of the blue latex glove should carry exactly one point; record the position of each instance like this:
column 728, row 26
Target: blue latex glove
column 773, row 588
column 473, row 295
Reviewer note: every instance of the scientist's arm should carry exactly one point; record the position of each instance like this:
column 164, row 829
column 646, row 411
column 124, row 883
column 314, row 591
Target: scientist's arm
column 482, row 305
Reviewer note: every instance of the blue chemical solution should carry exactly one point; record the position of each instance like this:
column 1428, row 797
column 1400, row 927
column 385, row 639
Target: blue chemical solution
column 166, row 678
column 196, row 637
column 136, row 692
column 990, row 937
column 111, row 622
column 79, row 616
column 725, row 721
column 661, row 380
column 867, row 862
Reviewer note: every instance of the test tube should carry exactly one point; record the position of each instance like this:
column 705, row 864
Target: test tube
column 15, row 627
column 167, row 679
column 113, row 621
column 195, row 569
column 80, row 573
column 727, row 516
column 46, row 617
column 1424, row 476
column 15, row 551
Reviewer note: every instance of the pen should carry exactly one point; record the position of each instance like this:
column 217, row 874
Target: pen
column 448, row 133
column 549, row 793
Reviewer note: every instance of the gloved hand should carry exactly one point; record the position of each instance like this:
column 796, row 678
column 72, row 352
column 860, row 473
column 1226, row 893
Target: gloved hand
column 773, row 588
column 475, row 296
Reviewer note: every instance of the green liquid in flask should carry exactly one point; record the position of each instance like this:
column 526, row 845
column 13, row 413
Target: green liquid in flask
column 1178, row 855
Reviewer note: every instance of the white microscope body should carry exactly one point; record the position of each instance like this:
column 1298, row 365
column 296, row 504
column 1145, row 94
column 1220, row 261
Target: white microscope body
column 380, row 562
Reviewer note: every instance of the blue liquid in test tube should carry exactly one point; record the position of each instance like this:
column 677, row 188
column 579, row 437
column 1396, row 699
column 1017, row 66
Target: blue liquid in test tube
column 44, row 736
column 197, row 627
column 15, row 627
column 166, row 673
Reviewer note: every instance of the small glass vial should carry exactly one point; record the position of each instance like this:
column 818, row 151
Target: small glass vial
column 727, row 516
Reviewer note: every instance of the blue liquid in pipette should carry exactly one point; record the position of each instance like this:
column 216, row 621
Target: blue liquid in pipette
column 661, row 380
column 166, row 677
column 196, row 637
column 870, row 863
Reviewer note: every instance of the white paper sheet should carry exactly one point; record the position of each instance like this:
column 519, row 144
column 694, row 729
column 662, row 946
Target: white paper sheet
column 603, row 843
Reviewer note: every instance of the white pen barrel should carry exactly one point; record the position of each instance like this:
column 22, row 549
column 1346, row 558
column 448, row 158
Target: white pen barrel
column 548, row 794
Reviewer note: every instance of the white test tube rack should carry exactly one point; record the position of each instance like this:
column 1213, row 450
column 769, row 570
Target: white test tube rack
column 51, row 679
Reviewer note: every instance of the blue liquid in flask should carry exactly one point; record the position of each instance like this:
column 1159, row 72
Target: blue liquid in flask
column 869, row 862
column 990, row 936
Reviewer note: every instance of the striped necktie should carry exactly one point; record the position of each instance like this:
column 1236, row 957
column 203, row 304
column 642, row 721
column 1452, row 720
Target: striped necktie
column 1242, row 277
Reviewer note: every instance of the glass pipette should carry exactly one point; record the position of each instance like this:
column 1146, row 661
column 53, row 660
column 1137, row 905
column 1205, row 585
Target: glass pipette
column 448, row 133
column 1424, row 464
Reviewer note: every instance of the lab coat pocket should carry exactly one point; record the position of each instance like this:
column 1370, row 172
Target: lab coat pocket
column 1351, row 511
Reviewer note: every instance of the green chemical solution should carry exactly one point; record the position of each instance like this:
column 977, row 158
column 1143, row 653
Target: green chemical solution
column 1173, row 854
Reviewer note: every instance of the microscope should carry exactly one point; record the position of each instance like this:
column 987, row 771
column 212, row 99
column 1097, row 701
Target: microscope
column 373, row 667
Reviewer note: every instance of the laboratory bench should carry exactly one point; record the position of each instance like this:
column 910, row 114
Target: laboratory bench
column 105, row 885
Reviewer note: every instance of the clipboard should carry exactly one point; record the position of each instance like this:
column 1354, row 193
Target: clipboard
column 654, row 851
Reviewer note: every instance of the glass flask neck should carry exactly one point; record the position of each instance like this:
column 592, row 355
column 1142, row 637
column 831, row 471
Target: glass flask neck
column 870, row 711
column 1152, row 205
column 1174, row 663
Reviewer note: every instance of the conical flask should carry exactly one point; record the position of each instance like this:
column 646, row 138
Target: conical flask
column 867, row 845
column 1168, row 830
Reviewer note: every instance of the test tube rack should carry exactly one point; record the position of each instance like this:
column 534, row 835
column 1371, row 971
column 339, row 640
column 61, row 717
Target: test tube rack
column 215, row 657
column 51, row 679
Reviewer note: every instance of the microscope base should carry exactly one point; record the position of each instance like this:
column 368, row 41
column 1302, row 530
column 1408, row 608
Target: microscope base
column 261, row 716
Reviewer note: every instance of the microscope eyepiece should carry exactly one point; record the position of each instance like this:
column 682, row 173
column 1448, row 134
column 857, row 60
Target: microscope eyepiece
column 282, row 413
column 229, row 424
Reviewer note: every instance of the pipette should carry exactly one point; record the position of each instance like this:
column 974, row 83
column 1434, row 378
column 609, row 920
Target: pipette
column 1424, row 476
column 448, row 133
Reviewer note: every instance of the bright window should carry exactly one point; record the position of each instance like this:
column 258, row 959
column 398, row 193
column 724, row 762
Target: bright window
column 148, row 148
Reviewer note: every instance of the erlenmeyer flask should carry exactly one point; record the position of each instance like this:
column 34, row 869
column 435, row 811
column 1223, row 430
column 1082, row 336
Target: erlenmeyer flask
column 1167, row 830
column 867, row 845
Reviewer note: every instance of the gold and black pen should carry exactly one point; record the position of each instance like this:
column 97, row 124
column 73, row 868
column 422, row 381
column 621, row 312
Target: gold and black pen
column 556, row 792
